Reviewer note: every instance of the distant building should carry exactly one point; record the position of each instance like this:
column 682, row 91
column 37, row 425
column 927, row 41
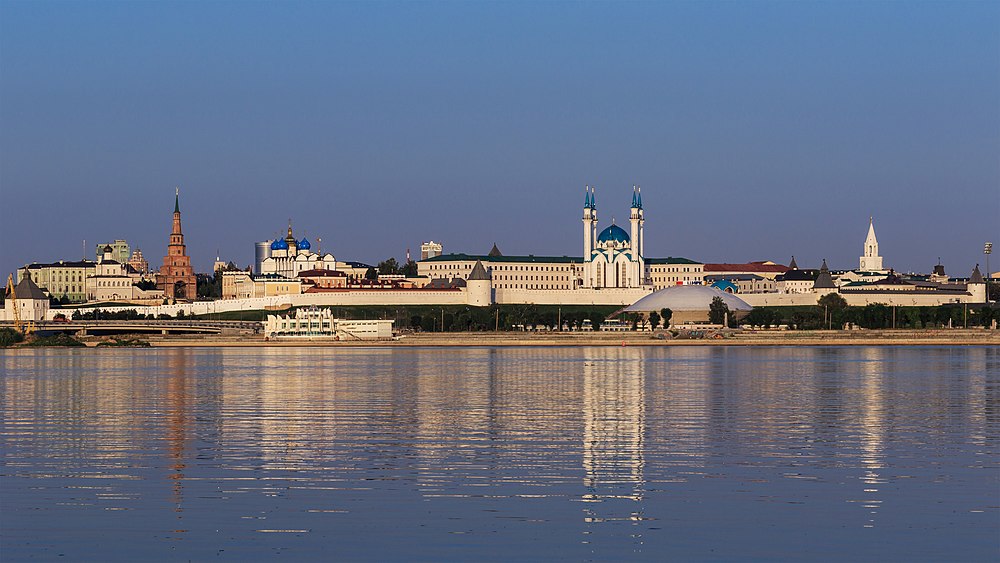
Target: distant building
column 120, row 251
column 237, row 284
column 62, row 280
column 323, row 279
column 895, row 289
column 138, row 262
column 110, row 280
column 176, row 277
column 796, row 281
column 741, row 283
column 261, row 252
column 28, row 299
column 764, row 269
column 430, row 249
column 114, row 281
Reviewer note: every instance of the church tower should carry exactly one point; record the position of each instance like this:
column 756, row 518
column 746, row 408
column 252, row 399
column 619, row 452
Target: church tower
column 176, row 277
column 870, row 259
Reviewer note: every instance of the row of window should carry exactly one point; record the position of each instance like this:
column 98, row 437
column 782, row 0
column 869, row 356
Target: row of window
column 504, row 268
column 660, row 269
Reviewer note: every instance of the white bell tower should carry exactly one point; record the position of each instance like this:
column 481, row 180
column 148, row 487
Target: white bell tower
column 870, row 259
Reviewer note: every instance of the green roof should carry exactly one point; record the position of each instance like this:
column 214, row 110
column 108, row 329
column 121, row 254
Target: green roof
column 671, row 260
column 487, row 258
column 540, row 259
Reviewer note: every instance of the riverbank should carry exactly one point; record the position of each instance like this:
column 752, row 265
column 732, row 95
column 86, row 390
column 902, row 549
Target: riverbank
column 950, row 337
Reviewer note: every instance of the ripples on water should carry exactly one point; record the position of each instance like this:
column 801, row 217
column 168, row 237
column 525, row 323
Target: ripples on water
column 502, row 454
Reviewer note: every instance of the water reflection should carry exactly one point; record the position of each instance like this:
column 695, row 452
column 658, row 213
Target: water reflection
column 872, row 432
column 523, row 450
column 613, row 424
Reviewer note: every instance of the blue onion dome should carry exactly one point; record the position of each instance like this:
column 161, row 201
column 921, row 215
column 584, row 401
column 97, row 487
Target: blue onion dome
column 304, row 244
column 613, row 233
column 279, row 244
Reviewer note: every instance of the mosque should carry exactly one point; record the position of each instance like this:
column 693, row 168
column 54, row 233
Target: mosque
column 613, row 258
column 613, row 267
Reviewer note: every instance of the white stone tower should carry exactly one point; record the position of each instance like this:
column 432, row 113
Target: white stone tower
column 977, row 286
column 870, row 259
column 589, row 234
column 479, row 286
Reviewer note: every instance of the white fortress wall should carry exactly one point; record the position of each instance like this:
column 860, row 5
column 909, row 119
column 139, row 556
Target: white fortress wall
column 346, row 298
column 382, row 297
column 858, row 299
column 604, row 296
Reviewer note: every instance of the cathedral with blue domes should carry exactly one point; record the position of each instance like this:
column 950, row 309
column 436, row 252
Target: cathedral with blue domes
column 288, row 256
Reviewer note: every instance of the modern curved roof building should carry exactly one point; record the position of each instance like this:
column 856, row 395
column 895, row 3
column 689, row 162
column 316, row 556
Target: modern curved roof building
column 689, row 303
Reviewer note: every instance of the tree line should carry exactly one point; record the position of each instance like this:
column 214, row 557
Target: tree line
column 832, row 312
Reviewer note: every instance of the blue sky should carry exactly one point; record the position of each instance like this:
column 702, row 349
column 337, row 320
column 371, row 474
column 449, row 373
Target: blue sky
column 757, row 130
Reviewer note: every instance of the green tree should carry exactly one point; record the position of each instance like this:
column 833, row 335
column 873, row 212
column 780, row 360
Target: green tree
column 666, row 314
column 596, row 320
column 654, row 320
column 409, row 269
column 9, row 336
column 717, row 311
column 833, row 302
column 388, row 267
column 371, row 274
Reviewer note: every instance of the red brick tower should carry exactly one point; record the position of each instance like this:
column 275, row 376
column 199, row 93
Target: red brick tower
column 176, row 277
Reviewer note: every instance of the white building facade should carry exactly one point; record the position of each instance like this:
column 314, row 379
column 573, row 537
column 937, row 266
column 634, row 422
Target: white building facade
column 319, row 323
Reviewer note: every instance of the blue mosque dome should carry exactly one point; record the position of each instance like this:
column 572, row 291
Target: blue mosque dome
column 304, row 244
column 613, row 233
column 279, row 244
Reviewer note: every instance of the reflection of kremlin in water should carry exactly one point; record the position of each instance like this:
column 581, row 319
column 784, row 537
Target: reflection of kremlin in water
column 613, row 424
column 625, row 432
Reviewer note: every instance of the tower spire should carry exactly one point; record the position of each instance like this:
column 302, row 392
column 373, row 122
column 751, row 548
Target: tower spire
column 177, row 199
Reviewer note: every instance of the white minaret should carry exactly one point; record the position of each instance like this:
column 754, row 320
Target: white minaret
column 589, row 234
column 870, row 260
column 642, row 222
column 635, row 219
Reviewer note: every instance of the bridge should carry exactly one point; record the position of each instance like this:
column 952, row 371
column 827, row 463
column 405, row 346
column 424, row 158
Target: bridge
column 100, row 327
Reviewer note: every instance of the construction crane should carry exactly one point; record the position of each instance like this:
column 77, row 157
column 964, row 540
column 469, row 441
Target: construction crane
column 19, row 325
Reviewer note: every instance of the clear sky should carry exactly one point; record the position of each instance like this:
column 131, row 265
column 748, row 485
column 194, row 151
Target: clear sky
column 757, row 130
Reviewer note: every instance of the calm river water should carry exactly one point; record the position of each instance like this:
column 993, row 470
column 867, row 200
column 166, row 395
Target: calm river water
column 708, row 453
